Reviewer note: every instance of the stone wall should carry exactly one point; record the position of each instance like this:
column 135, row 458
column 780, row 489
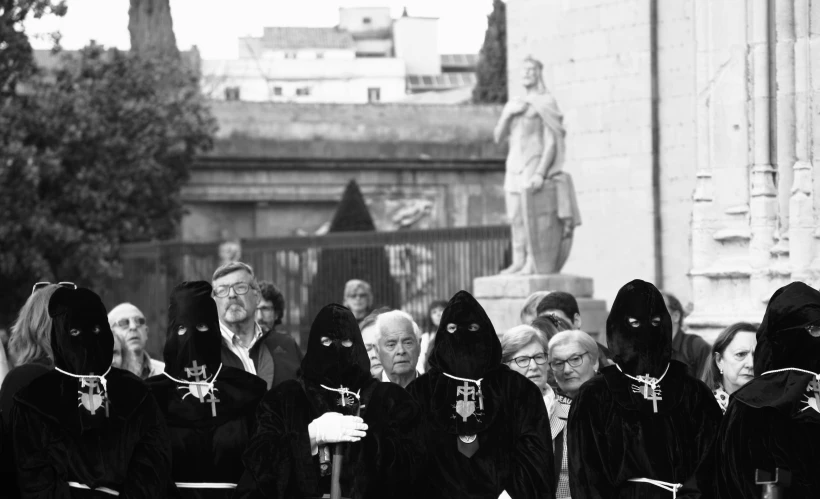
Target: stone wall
column 596, row 64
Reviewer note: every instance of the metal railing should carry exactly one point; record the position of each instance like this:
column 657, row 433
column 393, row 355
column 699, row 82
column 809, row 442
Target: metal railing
column 406, row 269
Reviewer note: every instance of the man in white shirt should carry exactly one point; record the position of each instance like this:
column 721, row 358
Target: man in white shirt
column 399, row 347
column 129, row 325
column 237, row 295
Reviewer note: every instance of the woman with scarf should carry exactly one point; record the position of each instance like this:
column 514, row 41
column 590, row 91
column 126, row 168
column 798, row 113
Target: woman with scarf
column 731, row 364
column 86, row 429
column 335, row 402
column 641, row 429
column 209, row 407
column 485, row 428
column 774, row 421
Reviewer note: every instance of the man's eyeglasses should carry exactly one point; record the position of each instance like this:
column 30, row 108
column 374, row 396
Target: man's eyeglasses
column 41, row 285
column 574, row 361
column 240, row 288
column 539, row 359
column 124, row 323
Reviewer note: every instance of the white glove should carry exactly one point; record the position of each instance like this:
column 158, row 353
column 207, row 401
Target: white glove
column 332, row 427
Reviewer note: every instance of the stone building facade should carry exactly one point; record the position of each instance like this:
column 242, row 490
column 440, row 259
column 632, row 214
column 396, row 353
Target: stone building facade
column 692, row 132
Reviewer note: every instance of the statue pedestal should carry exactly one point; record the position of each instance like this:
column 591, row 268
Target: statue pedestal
column 503, row 296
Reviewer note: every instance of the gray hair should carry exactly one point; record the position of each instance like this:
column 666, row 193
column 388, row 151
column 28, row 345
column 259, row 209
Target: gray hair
column 516, row 338
column 575, row 336
column 397, row 314
column 354, row 284
column 231, row 267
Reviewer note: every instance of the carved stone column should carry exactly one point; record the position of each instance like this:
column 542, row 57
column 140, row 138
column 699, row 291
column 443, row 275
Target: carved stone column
column 785, row 119
column 801, row 205
column 763, row 202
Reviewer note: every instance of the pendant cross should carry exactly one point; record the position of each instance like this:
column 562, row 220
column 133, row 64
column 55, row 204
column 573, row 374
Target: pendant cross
column 196, row 372
column 91, row 383
column 213, row 400
column 466, row 390
column 654, row 398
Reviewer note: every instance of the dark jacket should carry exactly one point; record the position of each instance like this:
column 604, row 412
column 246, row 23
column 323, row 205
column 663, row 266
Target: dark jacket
column 280, row 348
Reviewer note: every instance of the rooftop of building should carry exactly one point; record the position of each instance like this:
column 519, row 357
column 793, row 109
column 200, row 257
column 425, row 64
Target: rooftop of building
column 295, row 38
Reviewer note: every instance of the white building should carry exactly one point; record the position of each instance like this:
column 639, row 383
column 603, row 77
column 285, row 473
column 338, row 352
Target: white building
column 367, row 58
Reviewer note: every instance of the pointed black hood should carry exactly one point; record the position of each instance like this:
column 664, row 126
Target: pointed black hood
column 639, row 330
column 783, row 339
column 81, row 338
column 193, row 333
column 466, row 343
column 336, row 356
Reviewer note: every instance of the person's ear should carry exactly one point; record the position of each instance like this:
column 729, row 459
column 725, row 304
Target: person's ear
column 577, row 321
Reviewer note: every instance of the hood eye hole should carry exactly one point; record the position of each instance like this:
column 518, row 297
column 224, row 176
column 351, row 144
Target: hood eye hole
column 96, row 329
column 451, row 328
column 201, row 327
column 182, row 330
column 74, row 331
column 326, row 341
column 633, row 322
column 347, row 343
column 473, row 327
column 656, row 321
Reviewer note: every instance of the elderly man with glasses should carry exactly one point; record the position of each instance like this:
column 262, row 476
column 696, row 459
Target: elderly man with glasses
column 271, row 356
column 129, row 325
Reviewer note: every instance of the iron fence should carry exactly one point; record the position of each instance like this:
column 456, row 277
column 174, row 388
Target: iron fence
column 406, row 269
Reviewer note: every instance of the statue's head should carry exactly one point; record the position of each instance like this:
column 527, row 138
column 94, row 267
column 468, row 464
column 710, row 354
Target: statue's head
column 532, row 76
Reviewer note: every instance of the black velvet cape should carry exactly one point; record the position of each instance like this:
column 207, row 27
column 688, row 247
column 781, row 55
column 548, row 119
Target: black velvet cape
column 771, row 422
column 512, row 430
column 127, row 452
column 278, row 462
column 205, row 448
column 614, row 435
column 515, row 451
column 383, row 464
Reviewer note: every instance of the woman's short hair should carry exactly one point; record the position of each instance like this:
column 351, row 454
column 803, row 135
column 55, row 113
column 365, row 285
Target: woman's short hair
column 584, row 340
column 354, row 285
column 31, row 333
column 547, row 326
column 711, row 374
column 516, row 338
column 528, row 311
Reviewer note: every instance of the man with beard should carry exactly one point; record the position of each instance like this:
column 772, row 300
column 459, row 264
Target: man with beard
column 485, row 428
column 209, row 407
column 334, row 414
column 86, row 429
column 774, row 420
column 271, row 356
column 642, row 428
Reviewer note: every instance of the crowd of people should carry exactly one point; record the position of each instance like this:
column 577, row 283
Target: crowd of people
column 378, row 406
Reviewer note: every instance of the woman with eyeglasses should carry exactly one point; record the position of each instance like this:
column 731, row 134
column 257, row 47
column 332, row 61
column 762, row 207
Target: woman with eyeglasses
column 358, row 298
column 573, row 360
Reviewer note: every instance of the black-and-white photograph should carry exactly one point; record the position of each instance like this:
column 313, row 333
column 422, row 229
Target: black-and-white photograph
column 444, row 249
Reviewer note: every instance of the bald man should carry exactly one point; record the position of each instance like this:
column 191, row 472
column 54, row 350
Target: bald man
column 128, row 324
column 399, row 346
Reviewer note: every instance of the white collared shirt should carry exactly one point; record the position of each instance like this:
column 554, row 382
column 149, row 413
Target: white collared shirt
column 243, row 353
column 385, row 378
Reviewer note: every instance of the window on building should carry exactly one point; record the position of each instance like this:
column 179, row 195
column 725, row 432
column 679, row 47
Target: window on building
column 374, row 94
column 366, row 20
column 290, row 55
column 320, row 55
column 303, row 91
column 231, row 93
column 277, row 91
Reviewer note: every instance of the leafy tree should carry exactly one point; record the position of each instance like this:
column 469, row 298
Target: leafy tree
column 491, row 72
column 91, row 159
column 336, row 266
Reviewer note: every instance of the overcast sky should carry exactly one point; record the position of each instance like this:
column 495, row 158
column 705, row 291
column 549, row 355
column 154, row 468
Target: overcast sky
column 214, row 29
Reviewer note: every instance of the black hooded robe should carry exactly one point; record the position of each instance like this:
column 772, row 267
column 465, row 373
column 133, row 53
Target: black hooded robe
column 205, row 449
column 56, row 442
column 614, row 433
column 513, row 449
column 383, row 464
column 772, row 421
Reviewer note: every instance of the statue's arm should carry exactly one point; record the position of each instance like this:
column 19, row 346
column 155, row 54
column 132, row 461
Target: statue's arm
column 502, row 129
column 548, row 157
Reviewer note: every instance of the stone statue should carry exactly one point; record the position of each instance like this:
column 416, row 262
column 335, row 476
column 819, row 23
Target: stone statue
column 540, row 197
